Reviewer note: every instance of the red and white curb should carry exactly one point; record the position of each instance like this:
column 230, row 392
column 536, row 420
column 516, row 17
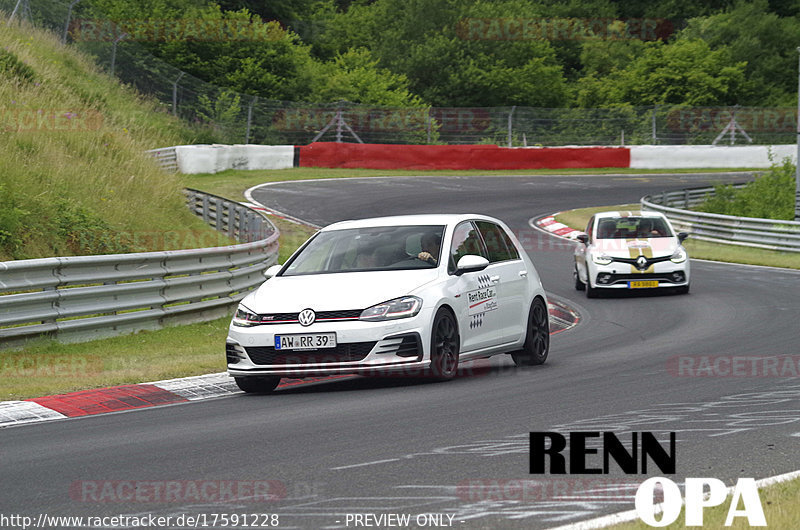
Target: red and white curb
column 126, row 397
column 172, row 391
column 549, row 224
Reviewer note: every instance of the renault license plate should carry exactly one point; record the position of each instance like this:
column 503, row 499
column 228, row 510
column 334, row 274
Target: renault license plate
column 642, row 284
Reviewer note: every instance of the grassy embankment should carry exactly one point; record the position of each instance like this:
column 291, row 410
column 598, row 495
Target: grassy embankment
column 74, row 179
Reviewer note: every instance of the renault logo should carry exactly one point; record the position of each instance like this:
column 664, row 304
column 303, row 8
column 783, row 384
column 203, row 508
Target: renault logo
column 306, row 317
column 641, row 263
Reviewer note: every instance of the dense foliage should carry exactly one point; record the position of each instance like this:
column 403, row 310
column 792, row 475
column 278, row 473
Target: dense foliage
column 770, row 196
column 543, row 53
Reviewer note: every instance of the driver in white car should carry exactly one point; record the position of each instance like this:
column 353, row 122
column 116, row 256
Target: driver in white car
column 430, row 244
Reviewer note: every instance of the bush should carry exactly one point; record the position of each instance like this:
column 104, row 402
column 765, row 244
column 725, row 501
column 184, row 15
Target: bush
column 770, row 196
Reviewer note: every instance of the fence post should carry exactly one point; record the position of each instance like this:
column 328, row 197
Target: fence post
column 249, row 119
column 66, row 24
column 114, row 50
column 428, row 123
column 655, row 138
column 797, row 162
column 510, row 114
column 175, row 94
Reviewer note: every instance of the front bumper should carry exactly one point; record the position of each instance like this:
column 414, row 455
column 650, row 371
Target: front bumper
column 618, row 275
column 368, row 348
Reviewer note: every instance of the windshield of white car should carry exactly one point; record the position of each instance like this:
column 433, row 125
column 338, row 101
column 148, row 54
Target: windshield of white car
column 632, row 228
column 380, row 248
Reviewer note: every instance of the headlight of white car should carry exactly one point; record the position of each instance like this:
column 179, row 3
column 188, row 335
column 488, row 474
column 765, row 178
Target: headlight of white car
column 405, row 307
column 601, row 259
column 679, row 256
column 244, row 317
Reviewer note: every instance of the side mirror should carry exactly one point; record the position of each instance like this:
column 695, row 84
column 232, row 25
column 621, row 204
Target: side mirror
column 682, row 236
column 583, row 238
column 471, row 263
column 272, row 271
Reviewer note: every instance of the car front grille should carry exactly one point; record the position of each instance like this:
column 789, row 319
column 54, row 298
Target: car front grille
column 322, row 316
column 647, row 262
column 348, row 352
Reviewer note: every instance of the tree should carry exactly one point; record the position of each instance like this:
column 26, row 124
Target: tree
column 684, row 72
column 751, row 33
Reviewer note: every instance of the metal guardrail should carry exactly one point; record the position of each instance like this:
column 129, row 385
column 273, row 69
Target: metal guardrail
column 166, row 157
column 85, row 297
column 772, row 234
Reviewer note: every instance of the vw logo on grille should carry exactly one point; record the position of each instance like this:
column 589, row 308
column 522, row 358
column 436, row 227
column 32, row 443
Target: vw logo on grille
column 306, row 317
column 641, row 263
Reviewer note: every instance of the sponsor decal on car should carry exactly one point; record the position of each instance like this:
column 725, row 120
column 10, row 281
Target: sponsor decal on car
column 482, row 300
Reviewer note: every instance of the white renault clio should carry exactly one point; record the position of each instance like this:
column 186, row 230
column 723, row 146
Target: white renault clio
column 630, row 250
column 395, row 295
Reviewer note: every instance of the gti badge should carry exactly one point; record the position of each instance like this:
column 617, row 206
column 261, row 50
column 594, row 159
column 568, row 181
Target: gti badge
column 306, row 317
column 641, row 263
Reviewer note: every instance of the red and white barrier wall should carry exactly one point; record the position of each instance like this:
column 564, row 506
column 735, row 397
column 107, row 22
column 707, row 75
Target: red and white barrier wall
column 215, row 158
column 385, row 156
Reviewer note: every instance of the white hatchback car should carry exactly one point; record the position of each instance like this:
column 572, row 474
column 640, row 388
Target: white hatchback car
column 630, row 250
column 412, row 294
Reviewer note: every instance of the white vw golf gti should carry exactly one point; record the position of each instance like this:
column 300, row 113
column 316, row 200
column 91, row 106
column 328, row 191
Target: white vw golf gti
column 395, row 295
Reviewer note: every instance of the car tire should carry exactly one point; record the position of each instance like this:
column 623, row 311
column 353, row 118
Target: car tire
column 257, row 385
column 579, row 285
column 537, row 336
column 445, row 345
column 591, row 292
column 684, row 289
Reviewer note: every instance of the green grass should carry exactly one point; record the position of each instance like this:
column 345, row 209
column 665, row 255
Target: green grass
column 779, row 502
column 82, row 184
column 578, row 218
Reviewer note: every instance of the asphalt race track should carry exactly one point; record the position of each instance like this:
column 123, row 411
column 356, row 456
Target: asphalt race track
column 401, row 446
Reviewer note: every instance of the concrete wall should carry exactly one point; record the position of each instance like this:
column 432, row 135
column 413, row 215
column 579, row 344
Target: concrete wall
column 708, row 156
column 216, row 158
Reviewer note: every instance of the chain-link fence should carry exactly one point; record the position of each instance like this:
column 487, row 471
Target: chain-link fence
column 230, row 117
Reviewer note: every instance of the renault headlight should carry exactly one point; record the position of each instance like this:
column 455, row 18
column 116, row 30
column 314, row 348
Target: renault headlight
column 679, row 256
column 601, row 259
column 405, row 307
